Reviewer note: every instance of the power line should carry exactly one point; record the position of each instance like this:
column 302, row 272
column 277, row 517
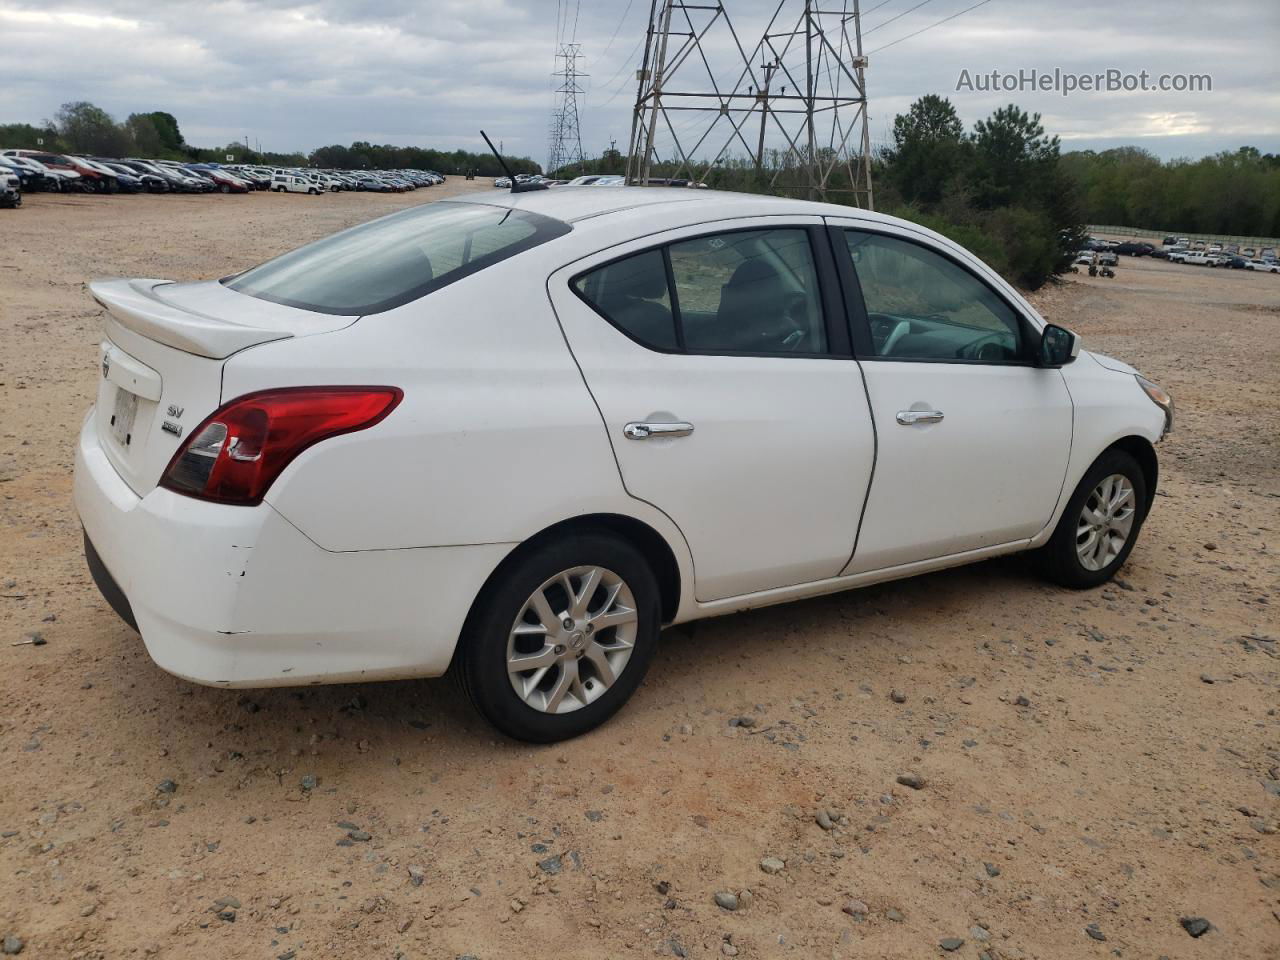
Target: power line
column 876, row 7
column 898, row 17
column 626, row 64
column 980, row 3
column 621, row 20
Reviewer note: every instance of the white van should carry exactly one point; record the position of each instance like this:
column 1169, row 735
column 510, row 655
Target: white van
column 292, row 183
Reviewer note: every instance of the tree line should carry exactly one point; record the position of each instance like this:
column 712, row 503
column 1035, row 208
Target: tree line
column 82, row 128
column 1227, row 194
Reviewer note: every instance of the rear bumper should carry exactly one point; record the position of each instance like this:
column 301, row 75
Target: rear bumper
column 237, row 596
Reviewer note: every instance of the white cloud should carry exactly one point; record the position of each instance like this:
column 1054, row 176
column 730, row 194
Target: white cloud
column 298, row 75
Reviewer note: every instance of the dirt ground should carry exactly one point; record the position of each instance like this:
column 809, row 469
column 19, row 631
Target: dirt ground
column 1137, row 783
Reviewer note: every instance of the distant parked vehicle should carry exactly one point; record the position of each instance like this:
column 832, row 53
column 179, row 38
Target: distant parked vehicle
column 223, row 180
column 1105, row 258
column 1196, row 258
column 1134, row 248
column 31, row 174
column 502, row 182
column 10, row 189
column 150, row 182
column 1263, row 266
column 291, row 183
column 1168, row 241
column 84, row 179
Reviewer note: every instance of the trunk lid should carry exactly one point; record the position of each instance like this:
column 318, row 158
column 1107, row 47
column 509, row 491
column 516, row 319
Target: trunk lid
column 161, row 358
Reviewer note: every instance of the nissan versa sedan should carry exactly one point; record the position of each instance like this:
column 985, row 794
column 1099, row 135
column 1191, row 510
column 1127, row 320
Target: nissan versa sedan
column 512, row 437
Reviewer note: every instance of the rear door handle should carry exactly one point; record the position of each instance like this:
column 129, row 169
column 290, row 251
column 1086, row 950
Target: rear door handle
column 647, row 431
column 909, row 417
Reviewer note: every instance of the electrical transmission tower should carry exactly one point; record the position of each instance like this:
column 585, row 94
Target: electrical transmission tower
column 566, row 137
column 794, row 108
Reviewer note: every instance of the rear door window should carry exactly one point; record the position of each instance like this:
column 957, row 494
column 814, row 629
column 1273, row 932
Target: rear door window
column 391, row 261
column 737, row 292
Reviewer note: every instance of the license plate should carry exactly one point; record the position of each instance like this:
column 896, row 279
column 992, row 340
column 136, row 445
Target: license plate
column 122, row 420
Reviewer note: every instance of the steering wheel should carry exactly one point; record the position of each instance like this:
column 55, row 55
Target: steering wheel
column 989, row 347
column 900, row 330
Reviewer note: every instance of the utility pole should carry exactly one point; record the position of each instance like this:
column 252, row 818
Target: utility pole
column 817, row 117
column 762, row 97
column 566, row 137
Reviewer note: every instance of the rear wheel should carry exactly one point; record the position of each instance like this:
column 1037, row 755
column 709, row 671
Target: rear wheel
column 1100, row 525
column 224, row 188
column 561, row 638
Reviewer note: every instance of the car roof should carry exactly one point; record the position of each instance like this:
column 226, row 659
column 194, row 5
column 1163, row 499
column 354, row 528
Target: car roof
column 580, row 204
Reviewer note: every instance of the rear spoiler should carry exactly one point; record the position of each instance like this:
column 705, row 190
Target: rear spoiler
column 135, row 305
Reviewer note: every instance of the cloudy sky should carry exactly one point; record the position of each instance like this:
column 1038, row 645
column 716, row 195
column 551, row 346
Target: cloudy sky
column 299, row 75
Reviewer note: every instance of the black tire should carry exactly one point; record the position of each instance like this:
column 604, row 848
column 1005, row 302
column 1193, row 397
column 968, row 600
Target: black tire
column 222, row 187
column 481, row 662
column 1058, row 559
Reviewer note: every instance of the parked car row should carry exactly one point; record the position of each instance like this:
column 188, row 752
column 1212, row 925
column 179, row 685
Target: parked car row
column 34, row 170
column 1230, row 256
column 1229, row 261
column 1234, row 249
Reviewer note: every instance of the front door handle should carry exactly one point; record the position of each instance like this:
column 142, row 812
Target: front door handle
column 910, row 417
column 647, row 431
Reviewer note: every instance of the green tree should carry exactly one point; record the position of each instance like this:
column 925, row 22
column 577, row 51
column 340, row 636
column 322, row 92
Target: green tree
column 25, row 136
column 167, row 128
column 1012, row 157
column 929, row 152
column 86, row 128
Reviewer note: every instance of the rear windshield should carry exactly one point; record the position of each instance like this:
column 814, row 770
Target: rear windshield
column 391, row 261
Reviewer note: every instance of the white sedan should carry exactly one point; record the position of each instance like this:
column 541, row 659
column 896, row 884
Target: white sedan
column 515, row 436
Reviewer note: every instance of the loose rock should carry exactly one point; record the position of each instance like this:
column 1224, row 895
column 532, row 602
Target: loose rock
column 951, row 944
column 856, row 909
column 772, row 865
column 1196, row 926
column 726, row 900
column 1093, row 931
column 912, row 780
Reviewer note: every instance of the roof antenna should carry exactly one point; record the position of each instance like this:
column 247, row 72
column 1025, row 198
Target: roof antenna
column 516, row 186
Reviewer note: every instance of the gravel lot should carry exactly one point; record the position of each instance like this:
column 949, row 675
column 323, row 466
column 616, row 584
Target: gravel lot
column 1093, row 767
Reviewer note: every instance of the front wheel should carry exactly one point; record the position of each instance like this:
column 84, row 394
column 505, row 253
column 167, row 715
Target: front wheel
column 1100, row 524
column 561, row 638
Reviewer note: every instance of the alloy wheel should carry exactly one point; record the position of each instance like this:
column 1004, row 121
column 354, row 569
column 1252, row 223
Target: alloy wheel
column 1105, row 522
column 572, row 639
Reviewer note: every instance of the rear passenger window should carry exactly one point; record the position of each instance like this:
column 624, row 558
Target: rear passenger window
column 632, row 294
column 751, row 291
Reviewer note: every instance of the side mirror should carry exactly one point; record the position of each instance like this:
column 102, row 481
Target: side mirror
column 1058, row 346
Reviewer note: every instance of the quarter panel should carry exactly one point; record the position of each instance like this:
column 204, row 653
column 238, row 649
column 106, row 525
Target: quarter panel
column 496, row 437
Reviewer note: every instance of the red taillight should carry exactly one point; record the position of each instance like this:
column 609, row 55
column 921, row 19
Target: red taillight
column 236, row 454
